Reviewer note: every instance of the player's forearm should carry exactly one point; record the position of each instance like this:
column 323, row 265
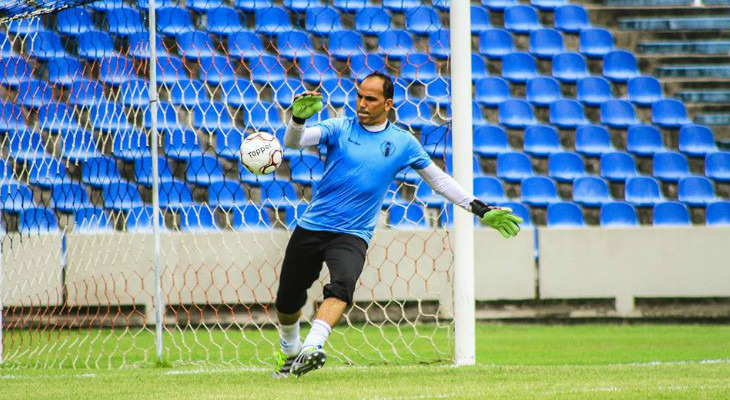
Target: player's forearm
column 443, row 184
column 298, row 136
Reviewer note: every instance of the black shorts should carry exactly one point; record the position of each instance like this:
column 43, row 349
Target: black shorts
column 345, row 257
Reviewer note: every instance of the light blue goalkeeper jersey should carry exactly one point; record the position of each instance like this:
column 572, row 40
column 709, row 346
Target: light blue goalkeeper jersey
column 359, row 168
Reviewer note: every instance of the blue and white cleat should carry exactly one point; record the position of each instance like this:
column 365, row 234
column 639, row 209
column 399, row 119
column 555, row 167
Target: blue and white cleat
column 310, row 359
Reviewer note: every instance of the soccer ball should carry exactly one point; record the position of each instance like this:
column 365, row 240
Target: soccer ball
column 261, row 153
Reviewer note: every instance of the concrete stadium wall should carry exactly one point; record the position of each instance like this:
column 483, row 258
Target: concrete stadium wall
column 242, row 268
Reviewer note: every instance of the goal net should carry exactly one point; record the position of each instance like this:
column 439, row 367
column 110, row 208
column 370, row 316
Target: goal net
column 77, row 276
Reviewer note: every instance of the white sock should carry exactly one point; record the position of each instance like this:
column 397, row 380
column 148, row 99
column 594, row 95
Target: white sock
column 318, row 334
column 289, row 335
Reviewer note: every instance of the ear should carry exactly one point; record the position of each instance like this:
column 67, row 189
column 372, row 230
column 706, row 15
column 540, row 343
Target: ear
column 388, row 104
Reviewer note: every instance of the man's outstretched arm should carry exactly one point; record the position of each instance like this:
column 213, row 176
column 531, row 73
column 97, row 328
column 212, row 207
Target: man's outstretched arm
column 498, row 218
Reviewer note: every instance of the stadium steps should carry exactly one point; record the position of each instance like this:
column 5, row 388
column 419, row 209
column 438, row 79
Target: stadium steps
column 682, row 48
column 694, row 71
column 704, row 96
column 680, row 24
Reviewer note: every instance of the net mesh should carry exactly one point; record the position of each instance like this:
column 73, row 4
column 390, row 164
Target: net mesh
column 78, row 257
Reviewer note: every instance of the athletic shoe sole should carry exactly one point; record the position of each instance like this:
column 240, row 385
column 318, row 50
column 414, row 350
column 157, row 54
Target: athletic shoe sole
column 312, row 361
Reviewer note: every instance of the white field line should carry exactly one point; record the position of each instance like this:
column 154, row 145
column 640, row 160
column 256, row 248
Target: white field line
column 430, row 396
column 664, row 363
column 614, row 389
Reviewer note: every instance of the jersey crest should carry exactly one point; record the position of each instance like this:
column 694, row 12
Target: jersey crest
column 388, row 148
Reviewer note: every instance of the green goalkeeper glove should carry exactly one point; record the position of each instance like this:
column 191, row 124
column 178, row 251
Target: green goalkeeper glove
column 503, row 221
column 305, row 105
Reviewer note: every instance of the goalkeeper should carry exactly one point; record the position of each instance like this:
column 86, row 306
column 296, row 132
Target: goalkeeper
column 364, row 154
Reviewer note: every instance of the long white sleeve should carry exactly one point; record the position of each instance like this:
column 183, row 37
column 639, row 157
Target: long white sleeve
column 297, row 136
column 446, row 186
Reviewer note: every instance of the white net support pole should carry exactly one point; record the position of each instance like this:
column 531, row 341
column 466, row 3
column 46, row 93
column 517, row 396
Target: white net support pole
column 461, row 97
column 156, row 214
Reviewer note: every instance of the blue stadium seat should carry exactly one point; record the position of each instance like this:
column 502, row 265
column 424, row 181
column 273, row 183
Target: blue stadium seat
column 571, row 18
column 139, row 47
column 223, row 20
column 69, row 196
column 513, row 167
column 670, row 166
column 478, row 67
column 195, row 45
column 262, row 116
column 228, row 143
column 46, row 172
column 546, row 43
column 620, row 66
column 212, row 116
column 519, row 67
column 618, row 214
column 78, row 146
column 56, row 118
column 671, row 213
column 202, row 5
column 99, row 171
column 293, row 44
column 95, row 45
column 441, row 5
column 521, row 18
column 182, row 144
column 644, row 140
column 407, row 216
column 340, row 92
column 6, row 47
column 134, row 93
column 436, row 140
column 499, row 5
column 591, row 191
column 278, row 193
column 227, row 195
column 15, row 197
column 175, row 195
column 595, row 42
column 422, row 20
column 301, row 5
column 437, row 92
column 401, row 5
column 543, row 91
column 198, row 218
column 144, row 4
column 491, row 91
column 238, row 93
column 130, row 144
column 718, row 213
column 516, row 113
column 84, row 92
column 25, row 26
column 188, row 93
column 565, row 166
column 495, row 43
column 92, row 220
column 717, row 166
column 15, row 71
column 107, row 5
column 174, row 21
column 322, row 20
column 418, row 67
column 643, row 191
column 285, row 91
column 416, row 116
column 139, row 220
column 108, row 116
column 344, row 44
column 490, row 141
column 669, row 113
column 539, row 191
column 352, row 6
column 567, row 113
column 250, row 218
column 547, row 5
column 439, row 45
column 564, row 214
column 35, row 221
column 124, row 22
column 245, row 45
column 569, row 67
column 519, row 210
column 372, row 20
column 267, row 69
column 26, row 145
column 427, row 196
column 617, row 113
column 479, row 19
column 696, row 140
column 271, row 20
column 316, row 68
column 253, row 5
column 7, row 175
column 11, row 118
column 362, row 65
column 116, row 70
column 696, row 191
column 489, row 189
column 45, row 46
column 254, row 180
column 121, row 196
column 541, row 141
column 593, row 90
column 644, row 90
column 34, row 93
column 395, row 43
column 143, row 170
column 74, row 21
column 216, row 69
column 617, row 166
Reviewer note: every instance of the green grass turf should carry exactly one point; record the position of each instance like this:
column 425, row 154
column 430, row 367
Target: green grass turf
column 513, row 362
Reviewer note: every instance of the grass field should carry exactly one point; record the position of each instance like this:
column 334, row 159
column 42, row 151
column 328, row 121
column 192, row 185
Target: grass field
column 513, row 362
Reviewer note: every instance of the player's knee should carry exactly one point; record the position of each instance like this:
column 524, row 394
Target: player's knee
column 289, row 303
column 341, row 289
